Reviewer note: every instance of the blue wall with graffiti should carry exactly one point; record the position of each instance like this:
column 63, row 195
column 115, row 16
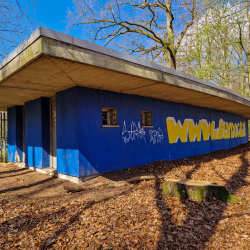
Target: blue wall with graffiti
column 15, row 134
column 37, row 133
column 85, row 148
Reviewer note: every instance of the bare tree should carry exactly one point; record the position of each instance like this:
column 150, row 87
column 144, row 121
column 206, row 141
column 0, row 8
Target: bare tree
column 15, row 24
column 152, row 29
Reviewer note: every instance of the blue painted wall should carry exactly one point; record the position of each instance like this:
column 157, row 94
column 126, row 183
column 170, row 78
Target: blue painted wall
column 37, row 133
column 67, row 132
column 15, row 133
column 85, row 148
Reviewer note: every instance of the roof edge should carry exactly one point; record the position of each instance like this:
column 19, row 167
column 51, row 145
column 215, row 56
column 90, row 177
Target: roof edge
column 45, row 32
column 20, row 48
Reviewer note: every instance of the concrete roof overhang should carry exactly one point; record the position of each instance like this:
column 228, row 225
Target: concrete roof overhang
column 50, row 61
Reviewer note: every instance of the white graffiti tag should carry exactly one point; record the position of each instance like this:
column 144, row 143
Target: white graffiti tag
column 135, row 132
column 156, row 136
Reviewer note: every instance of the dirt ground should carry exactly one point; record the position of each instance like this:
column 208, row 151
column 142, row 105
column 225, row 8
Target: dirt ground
column 37, row 213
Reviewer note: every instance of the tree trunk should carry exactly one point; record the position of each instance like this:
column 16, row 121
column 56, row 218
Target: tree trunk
column 170, row 37
column 172, row 62
column 170, row 59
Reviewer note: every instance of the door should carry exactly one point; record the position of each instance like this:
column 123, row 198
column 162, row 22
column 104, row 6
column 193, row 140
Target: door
column 53, row 158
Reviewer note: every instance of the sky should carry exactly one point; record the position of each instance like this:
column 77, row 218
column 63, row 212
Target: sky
column 52, row 14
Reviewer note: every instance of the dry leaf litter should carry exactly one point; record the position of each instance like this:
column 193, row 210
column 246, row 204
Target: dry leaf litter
column 37, row 213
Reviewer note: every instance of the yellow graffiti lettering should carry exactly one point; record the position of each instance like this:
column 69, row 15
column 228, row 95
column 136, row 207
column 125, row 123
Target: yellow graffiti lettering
column 193, row 131
column 205, row 129
column 221, row 129
column 241, row 130
column 226, row 131
column 214, row 132
column 232, row 130
column 235, row 131
column 244, row 130
column 238, row 129
column 176, row 130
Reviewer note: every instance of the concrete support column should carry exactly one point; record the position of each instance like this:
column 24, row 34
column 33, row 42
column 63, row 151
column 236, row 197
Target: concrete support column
column 37, row 133
column 15, row 134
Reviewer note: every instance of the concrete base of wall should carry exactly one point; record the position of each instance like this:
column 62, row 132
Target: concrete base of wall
column 43, row 171
column 74, row 179
column 21, row 165
column 53, row 172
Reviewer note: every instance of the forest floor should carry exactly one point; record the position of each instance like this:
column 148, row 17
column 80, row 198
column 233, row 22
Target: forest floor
column 37, row 213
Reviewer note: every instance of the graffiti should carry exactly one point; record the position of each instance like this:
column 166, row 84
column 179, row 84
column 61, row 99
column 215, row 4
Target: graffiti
column 136, row 132
column 190, row 130
column 156, row 136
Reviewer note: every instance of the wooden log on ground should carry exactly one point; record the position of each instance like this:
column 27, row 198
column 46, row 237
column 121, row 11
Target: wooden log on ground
column 71, row 187
column 151, row 177
column 141, row 178
column 196, row 190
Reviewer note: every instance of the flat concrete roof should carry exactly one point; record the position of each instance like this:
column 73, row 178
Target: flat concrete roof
column 50, row 61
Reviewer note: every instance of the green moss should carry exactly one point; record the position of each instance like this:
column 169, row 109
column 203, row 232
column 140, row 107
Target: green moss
column 197, row 194
column 32, row 51
column 233, row 198
column 178, row 192
column 165, row 189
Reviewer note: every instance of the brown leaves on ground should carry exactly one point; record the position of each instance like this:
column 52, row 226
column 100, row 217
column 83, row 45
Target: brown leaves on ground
column 37, row 213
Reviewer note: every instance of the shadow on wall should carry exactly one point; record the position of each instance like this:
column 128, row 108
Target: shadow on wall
column 37, row 133
column 167, row 166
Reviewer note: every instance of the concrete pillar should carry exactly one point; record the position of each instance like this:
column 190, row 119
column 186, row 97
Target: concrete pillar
column 37, row 133
column 15, row 134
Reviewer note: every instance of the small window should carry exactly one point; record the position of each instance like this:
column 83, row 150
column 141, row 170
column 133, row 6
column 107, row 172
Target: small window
column 109, row 116
column 146, row 118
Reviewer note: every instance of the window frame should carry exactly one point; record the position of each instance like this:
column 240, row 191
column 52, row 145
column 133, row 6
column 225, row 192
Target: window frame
column 110, row 111
column 143, row 123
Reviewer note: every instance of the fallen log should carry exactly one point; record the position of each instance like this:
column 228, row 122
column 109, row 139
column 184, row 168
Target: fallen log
column 152, row 177
column 71, row 187
column 141, row 178
column 196, row 190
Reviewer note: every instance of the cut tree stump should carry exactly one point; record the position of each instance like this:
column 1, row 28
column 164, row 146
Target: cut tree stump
column 196, row 190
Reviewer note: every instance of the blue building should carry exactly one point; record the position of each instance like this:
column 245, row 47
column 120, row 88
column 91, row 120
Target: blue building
column 85, row 110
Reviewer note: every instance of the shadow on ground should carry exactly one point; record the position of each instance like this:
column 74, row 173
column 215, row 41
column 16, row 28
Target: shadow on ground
column 192, row 231
column 196, row 230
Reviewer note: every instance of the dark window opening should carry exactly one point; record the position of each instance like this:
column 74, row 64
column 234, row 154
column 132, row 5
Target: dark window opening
column 146, row 118
column 109, row 116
